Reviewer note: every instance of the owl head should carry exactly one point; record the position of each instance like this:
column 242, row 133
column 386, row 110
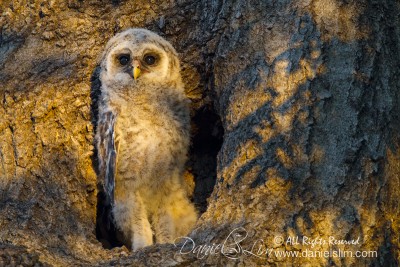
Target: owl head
column 138, row 56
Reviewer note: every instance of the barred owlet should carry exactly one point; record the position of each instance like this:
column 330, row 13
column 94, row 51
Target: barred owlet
column 142, row 138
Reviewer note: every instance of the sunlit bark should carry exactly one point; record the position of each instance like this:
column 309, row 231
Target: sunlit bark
column 308, row 96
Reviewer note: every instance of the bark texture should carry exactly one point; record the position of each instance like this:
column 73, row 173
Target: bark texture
column 307, row 93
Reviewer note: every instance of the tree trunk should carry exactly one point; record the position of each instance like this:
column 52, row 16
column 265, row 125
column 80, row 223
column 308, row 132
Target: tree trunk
column 307, row 93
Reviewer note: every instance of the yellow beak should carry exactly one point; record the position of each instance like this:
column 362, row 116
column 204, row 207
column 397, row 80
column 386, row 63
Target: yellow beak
column 136, row 72
column 136, row 69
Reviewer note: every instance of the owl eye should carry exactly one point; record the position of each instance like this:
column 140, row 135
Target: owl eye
column 124, row 59
column 149, row 59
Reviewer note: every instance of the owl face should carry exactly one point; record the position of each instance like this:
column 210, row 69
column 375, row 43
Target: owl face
column 139, row 56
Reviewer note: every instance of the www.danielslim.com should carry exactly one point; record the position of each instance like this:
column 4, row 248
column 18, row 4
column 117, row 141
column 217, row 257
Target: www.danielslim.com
column 236, row 252
column 321, row 254
column 233, row 247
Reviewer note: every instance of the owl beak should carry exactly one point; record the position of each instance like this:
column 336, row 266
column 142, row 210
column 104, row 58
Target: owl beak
column 136, row 69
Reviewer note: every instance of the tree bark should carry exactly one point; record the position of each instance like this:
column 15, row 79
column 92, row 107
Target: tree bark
column 308, row 96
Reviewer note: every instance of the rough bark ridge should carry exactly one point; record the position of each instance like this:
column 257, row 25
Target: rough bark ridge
column 307, row 92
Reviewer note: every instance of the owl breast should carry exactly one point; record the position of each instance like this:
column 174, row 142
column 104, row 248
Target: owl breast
column 152, row 139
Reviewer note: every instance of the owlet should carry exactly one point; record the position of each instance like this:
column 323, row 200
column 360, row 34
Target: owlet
column 142, row 138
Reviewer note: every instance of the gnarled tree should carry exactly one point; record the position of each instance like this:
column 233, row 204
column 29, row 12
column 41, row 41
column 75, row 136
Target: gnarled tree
column 307, row 93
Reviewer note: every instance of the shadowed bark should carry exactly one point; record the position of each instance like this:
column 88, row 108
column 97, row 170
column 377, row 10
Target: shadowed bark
column 303, row 95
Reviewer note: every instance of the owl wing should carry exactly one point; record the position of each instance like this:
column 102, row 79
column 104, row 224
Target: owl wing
column 107, row 153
